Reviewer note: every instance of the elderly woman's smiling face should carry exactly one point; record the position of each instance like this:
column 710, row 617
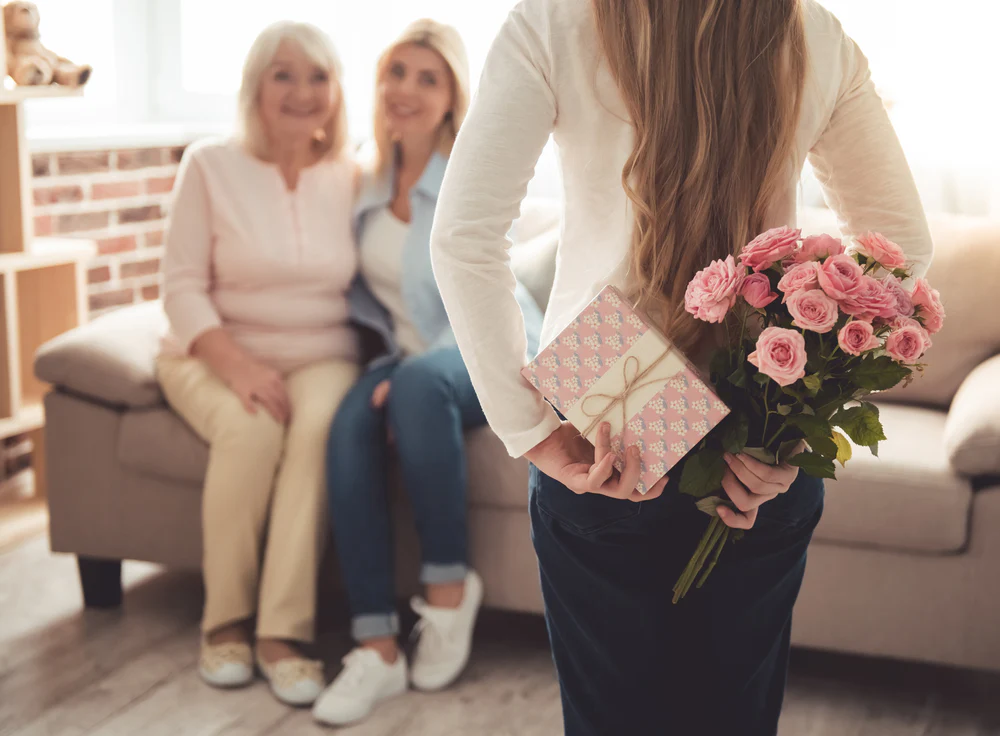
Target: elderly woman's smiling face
column 297, row 97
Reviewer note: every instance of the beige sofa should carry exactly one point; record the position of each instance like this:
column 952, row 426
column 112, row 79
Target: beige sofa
column 906, row 562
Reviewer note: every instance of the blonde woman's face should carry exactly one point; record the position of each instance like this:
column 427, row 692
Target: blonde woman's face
column 416, row 91
column 297, row 97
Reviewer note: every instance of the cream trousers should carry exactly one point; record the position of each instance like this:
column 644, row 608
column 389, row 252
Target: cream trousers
column 263, row 478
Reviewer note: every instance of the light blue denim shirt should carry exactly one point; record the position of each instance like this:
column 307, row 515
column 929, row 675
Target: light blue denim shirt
column 420, row 290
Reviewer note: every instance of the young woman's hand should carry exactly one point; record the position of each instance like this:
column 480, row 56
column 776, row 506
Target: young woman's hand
column 749, row 483
column 566, row 456
column 380, row 395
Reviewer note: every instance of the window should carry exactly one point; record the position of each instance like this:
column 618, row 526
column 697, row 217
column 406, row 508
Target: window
column 204, row 78
column 178, row 61
column 85, row 33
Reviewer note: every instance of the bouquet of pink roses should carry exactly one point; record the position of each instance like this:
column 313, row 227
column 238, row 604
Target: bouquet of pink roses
column 819, row 330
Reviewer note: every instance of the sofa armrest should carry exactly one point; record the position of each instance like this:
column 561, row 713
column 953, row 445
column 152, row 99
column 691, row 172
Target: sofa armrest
column 972, row 430
column 112, row 359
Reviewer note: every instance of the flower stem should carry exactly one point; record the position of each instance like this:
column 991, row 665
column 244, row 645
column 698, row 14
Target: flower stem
column 705, row 547
column 715, row 558
column 767, row 409
column 777, row 434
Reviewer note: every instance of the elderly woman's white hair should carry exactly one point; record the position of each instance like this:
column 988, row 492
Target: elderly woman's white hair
column 330, row 140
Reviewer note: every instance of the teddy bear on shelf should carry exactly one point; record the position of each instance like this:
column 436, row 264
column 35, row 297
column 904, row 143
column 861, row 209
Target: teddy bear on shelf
column 28, row 61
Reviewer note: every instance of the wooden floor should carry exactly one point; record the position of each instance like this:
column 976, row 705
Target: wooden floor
column 65, row 672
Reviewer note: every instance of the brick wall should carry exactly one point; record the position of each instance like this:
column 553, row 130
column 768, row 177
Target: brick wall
column 119, row 199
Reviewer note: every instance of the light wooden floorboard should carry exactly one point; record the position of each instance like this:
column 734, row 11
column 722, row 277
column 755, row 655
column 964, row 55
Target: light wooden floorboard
column 69, row 672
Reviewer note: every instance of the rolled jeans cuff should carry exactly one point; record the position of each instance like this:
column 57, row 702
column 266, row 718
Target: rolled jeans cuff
column 374, row 626
column 451, row 573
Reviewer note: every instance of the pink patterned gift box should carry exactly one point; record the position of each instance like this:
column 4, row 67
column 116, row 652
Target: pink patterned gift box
column 610, row 365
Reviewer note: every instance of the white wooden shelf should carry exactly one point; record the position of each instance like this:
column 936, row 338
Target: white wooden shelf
column 43, row 281
column 28, row 419
column 12, row 94
column 47, row 252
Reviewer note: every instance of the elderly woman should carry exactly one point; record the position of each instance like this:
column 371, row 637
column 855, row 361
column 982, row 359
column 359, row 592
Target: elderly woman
column 260, row 257
column 420, row 393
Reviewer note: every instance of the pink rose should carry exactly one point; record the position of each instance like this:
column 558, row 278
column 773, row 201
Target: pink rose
column 900, row 322
column 770, row 247
column 929, row 307
column 712, row 292
column 904, row 304
column 871, row 300
column 799, row 277
column 839, row 276
column 907, row 343
column 813, row 310
column 818, row 247
column 781, row 355
column 856, row 337
column 886, row 253
column 756, row 290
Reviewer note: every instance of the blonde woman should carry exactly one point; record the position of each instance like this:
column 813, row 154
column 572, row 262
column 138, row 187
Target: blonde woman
column 682, row 126
column 419, row 393
column 259, row 260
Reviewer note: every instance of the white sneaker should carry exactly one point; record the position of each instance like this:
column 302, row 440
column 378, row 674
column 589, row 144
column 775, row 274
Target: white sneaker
column 445, row 637
column 226, row 665
column 365, row 680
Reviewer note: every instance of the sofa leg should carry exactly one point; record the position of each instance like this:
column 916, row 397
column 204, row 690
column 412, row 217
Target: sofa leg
column 101, row 581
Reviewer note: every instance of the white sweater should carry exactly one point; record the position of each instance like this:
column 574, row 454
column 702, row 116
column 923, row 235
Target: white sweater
column 542, row 77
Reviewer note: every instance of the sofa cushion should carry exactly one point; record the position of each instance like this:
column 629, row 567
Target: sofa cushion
column 972, row 432
column 111, row 359
column 158, row 442
column 495, row 479
column 971, row 332
column 908, row 498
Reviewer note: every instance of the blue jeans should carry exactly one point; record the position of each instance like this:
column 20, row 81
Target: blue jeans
column 431, row 401
column 631, row 662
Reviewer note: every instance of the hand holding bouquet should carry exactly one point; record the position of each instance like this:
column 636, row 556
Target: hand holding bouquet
column 814, row 330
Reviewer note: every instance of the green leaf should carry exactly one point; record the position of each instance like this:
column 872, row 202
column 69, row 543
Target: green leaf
column 759, row 453
column 815, row 465
column 785, row 449
column 824, row 446
column 735, row 432
column 784, row 410
column 738, row 377
column 874, row 448
column 878, row 374
column 811, row 426
column 719, row 365
column 761, row 378
column 806, row 409
column 844, row 451
column 709, row 504
column 702, row 473
column 813, row 383
column 861, row 423
column 793, row 392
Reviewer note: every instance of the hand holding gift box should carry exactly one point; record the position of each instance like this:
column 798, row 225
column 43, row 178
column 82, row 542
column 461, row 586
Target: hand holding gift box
column 609, row 365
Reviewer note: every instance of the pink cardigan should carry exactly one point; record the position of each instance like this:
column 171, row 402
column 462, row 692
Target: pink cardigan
column 269, row 265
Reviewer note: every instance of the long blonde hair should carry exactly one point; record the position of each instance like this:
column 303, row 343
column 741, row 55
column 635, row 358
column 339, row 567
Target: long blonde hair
column 447, row 43
column 713, row 89
column 332, row 139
